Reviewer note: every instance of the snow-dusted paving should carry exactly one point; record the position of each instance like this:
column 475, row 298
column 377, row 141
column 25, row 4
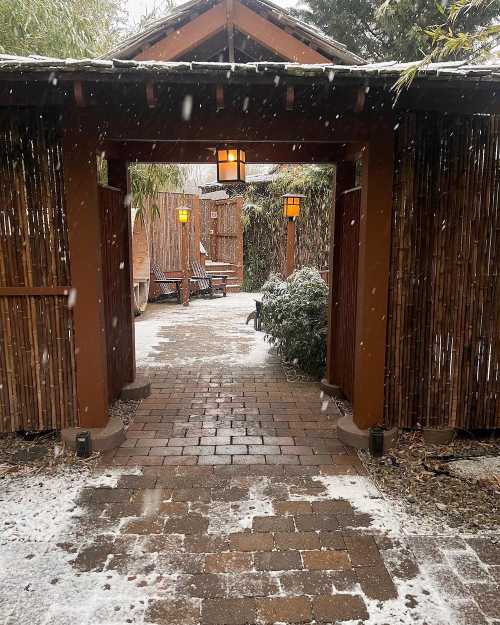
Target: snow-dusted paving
column 231, row 502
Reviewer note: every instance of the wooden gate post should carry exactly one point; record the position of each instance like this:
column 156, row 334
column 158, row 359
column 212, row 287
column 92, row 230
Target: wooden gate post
column 345, row 179
column 118, row 177
column 185, row 263
column 84, row 230
column 373, row 275
column 290, row 246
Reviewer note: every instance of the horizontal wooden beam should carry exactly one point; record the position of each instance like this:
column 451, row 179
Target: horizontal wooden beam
column 276, row 39
column 189, row 36
column 29, row 291
column 198, row 152
column 228, row 126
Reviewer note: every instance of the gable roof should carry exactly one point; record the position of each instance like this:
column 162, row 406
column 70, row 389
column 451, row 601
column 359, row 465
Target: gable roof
column 221, row 12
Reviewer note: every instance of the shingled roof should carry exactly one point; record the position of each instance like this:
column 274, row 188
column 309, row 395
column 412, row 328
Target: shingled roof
column 307, row 34
column 125, row 70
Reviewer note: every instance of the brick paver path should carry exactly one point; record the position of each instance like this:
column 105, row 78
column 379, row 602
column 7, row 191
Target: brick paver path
column 247, row 508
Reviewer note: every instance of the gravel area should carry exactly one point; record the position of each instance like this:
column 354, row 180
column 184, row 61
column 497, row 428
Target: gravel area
column 420, row 477
column 125, row 410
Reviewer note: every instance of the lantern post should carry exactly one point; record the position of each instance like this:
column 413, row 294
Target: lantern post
column 184, row 214
column 292, row 203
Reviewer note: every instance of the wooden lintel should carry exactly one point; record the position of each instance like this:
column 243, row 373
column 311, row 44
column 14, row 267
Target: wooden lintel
column 219, row 97
column 79, row 93
column 151, row 97
column 290, row 98
column 194, row 152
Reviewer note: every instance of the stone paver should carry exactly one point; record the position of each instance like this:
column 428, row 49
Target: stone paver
column 234, row 519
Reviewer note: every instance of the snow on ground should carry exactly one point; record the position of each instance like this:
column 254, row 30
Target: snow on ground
column 39, row 586
column 165, row 334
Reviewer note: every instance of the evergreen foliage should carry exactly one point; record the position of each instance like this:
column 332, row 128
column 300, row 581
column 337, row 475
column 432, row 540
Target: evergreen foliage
column 294, row 314
column 398, row 29
column 265, row 227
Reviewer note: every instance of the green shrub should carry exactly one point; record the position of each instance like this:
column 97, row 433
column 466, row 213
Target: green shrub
column 294, row 313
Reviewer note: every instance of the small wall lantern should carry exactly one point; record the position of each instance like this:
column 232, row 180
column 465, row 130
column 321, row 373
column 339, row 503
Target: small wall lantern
column 292, row 203
column 230, row 164
column 184, row 213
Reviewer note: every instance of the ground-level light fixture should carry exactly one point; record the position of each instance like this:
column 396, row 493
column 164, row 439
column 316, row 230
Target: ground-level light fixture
column 183, row 214
column 230, row 164
column 292, row 203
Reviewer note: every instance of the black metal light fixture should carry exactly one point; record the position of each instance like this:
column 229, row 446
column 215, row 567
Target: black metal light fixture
column 230, row 164
column 83, row 445
column 376, row 441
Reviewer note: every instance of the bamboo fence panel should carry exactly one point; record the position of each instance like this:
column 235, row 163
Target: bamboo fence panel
column 165, row 231
column 443, row 355
column 37, row 385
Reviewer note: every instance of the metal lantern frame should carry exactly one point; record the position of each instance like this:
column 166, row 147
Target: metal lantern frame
column 183, row 214
column 292, row 201
column 223, row 157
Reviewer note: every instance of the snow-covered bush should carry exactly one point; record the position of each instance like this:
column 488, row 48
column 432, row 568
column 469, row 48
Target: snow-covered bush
column 294, row 313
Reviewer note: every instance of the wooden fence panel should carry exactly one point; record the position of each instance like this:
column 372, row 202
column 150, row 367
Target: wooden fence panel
column 165, row 231
column 37, row 385
column 443, row 356
column 345, row 264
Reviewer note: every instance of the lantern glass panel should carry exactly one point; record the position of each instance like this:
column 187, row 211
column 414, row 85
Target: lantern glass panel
column 230, row 165
column 183, row 215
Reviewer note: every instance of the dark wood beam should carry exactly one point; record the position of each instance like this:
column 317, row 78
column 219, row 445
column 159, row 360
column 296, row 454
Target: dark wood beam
column 227, row 126
column 187, row 37
column 201, row 153
column 273, row 37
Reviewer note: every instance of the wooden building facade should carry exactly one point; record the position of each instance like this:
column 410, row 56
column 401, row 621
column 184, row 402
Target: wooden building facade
column 423, row 322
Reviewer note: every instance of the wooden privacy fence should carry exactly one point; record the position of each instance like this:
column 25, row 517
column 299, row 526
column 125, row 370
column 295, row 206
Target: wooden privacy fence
column 221, row 231
column 443, row 356
column 165, row 231
column 117, row 307
column 37, row 385
column 345, row 263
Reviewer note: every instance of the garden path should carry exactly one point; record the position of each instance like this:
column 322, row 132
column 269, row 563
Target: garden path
column 231, row 502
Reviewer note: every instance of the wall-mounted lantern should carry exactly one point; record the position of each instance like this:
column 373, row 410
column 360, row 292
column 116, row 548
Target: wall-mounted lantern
column 183, row 214
column 292, row 203
column 230, row 165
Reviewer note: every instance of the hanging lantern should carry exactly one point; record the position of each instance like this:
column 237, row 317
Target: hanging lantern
column 230, row 165
column 184, row 214
column 292, row 203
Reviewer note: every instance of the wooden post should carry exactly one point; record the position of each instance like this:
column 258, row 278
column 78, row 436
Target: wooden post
column 290, row 246
column 83, row 215
column 185, row 263
column 118, row 177
column 345, row 178
column 373, row 275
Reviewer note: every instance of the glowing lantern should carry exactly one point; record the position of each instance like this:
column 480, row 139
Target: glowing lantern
column 292, row 203
column 230, row 165
column 184, row 213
